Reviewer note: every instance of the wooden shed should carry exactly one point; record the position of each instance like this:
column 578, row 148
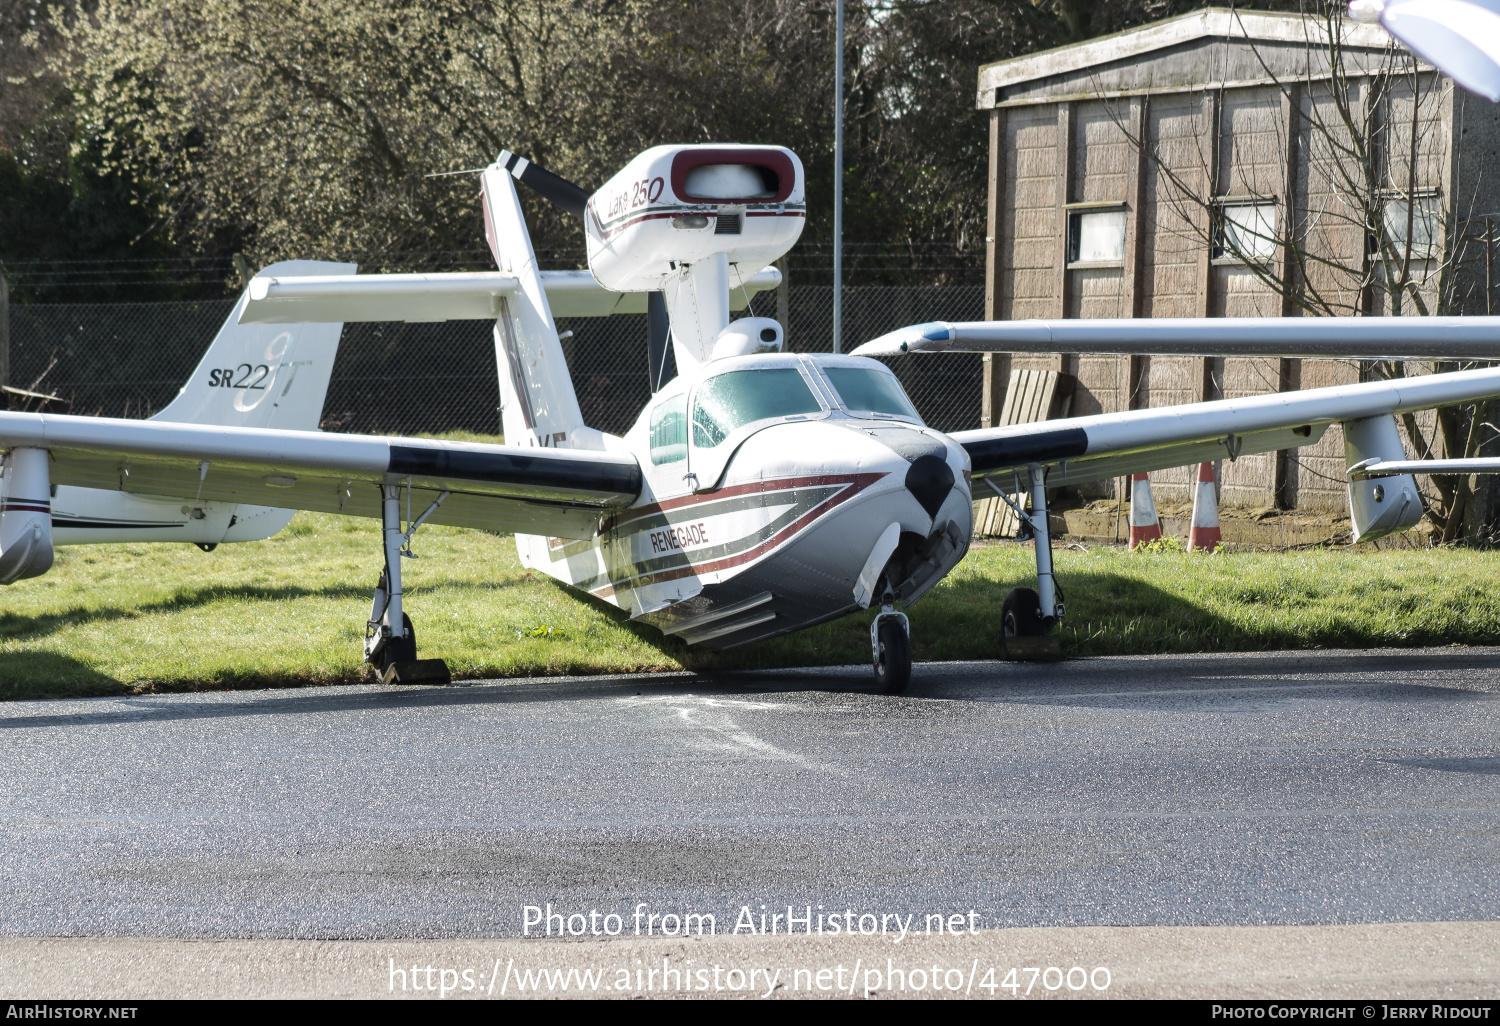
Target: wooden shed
column 1185, row 168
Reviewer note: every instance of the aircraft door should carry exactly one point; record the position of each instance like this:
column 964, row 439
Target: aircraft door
column 668, row 426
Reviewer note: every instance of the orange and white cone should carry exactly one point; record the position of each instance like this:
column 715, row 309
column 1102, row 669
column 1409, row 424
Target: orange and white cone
column 1145, row 526
column 1203, row 535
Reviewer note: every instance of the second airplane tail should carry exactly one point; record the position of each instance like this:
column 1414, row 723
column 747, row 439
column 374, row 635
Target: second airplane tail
column 263, row 375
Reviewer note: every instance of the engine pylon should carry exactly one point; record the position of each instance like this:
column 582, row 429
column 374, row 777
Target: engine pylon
column 1203, row 534
column 1145, row 525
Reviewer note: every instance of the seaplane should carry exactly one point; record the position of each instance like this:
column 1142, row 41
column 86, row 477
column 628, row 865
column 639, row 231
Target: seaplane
column 760, row 491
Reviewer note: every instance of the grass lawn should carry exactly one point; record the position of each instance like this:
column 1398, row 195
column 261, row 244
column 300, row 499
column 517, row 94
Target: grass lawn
column 291, row 611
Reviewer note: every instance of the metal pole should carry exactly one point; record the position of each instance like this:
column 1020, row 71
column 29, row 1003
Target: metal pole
column 4, row 329
column 838, row 178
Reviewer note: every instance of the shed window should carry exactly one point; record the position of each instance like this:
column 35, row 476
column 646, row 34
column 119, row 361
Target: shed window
column 1423, row 214
column 1096, row 237
column 1245, row 232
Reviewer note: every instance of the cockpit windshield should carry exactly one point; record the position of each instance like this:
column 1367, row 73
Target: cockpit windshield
column 735, row 398
column 867, row 389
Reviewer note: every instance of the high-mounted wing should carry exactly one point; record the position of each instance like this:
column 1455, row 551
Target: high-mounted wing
column 1364, row 338
column 491, row 487
column 1110, row 444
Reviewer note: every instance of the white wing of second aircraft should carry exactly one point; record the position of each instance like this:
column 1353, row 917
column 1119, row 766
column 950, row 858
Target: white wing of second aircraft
column 1357, row 338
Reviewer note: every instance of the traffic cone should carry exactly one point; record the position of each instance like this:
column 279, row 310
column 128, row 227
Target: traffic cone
column 1203, row 535
column 1145, row 526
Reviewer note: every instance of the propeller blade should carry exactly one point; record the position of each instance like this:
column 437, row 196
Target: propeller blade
column 549, row 186
column 663, row 367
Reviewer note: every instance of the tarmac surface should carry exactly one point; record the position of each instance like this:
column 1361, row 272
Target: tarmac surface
column 1283, row 789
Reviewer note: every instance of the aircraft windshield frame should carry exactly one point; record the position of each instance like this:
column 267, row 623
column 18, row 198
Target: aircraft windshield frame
column 735, row 410
column 831, row 366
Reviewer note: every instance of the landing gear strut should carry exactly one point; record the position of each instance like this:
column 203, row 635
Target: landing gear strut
column 390, row 640
column 1028, row 613
column 890, row 643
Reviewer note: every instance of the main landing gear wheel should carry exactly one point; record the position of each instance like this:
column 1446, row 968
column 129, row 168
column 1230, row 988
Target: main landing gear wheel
column 892, row 657
column 399, row 649
column 1020, row 614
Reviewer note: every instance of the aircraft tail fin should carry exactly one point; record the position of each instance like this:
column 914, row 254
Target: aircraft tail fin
column 537, row 400
column 263, row 375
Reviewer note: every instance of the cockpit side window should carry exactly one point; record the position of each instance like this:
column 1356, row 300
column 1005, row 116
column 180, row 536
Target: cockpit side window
column 735, row 398
column 669, row 431
column 868, row 389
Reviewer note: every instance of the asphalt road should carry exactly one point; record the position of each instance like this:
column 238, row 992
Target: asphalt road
column 1313, row 788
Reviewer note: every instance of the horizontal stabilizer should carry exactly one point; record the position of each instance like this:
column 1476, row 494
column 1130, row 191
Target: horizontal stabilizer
column 463, row 296
column 1369, row 338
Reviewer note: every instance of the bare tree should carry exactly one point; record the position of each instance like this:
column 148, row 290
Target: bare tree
column 1361, row 226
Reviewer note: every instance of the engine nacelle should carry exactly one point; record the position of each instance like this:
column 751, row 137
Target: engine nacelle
column 25, row 515
column 678, row 205
column 1379, row 506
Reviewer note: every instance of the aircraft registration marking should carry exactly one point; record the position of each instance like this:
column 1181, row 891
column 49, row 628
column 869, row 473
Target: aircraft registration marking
column 739, row 524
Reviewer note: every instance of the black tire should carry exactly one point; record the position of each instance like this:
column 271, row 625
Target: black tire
column 207, row 546
column 1018, row 614
column 399, row 649
column 893, row 668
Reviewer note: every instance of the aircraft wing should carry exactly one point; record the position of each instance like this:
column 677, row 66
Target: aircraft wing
column 1138, row 441
column 1367, row 338
column 447, row 297
column 501, row 488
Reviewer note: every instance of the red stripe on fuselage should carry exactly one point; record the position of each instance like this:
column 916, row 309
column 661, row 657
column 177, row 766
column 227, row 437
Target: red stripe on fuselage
column 609, row 233
column 855, row 483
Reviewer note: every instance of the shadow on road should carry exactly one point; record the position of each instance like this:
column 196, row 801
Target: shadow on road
column 1114, row 682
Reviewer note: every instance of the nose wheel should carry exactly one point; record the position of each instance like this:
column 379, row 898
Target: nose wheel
column 890, row 640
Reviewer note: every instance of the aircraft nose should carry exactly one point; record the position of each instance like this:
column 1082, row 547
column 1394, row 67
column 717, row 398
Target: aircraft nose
column 930, row 479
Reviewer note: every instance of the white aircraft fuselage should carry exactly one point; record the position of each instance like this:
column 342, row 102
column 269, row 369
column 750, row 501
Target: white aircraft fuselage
column 747, row 531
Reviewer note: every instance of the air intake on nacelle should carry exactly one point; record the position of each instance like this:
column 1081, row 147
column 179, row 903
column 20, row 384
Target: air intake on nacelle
column 729, row 224
column 731, row 182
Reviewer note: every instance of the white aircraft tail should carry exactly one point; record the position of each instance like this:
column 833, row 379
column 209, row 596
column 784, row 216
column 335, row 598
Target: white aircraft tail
column 253, row 375
column 537, row 403
column 263, row 375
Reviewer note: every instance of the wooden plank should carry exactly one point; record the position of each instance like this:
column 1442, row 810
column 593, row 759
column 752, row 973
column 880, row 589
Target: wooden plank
column 1135, row 191
column 1289, row 372
column 992, row 219
column 1031, row 396
column 1213, row 131
column 997, row 369
column 1064, row 191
